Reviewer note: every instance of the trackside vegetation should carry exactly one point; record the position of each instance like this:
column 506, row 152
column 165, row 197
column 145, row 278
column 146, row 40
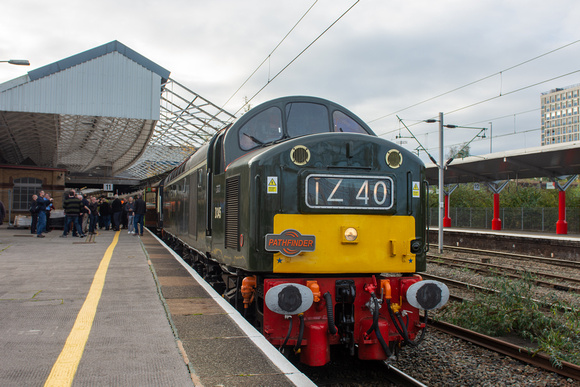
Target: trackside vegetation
column 554, row 330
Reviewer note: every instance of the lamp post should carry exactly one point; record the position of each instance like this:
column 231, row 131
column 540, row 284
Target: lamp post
column 441, row 181
column 17, row 62
column 442, row 165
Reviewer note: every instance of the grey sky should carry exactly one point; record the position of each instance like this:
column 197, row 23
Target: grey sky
column 380, row 58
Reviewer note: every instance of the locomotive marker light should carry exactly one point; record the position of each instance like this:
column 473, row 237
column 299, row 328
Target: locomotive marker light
column 350, row 235
column 288, row 299
column 428, row 294
column 394, row 158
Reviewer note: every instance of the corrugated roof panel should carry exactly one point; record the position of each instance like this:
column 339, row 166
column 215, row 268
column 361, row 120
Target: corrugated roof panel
column 114, row 46
column 109, row 86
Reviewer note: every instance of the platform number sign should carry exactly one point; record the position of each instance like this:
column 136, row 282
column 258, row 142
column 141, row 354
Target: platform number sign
column 107, row 187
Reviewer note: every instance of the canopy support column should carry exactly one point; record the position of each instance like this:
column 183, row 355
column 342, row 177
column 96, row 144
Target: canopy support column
column 446, row 218
column 496, row 221
column 561, row 224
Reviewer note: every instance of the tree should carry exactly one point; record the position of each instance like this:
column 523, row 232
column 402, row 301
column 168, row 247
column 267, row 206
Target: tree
column 459, row 151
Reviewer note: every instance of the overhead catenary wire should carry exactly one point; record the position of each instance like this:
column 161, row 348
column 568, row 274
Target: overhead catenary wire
column 481, row 80
column 494, row 97
column 271, row 53
column 296, row 57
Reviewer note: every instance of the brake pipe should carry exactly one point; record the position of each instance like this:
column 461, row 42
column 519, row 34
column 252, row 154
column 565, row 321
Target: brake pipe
column 288, row 335
column 397, row 327
column 300, row 334
column 377, row 328
column 330, row 314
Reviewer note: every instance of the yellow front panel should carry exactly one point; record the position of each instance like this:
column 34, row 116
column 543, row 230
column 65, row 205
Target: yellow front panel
column 382, row 246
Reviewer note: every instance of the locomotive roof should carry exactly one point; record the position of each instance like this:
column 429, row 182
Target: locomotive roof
column 288, row 117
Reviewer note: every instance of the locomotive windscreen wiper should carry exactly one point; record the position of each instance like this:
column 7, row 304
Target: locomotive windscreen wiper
column 254, row 139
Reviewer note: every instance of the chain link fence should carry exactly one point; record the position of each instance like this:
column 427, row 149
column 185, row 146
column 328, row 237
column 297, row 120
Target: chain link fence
column 516, row 219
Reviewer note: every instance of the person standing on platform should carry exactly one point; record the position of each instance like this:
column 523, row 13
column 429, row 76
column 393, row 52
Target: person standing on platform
column 33, row 208
column 130, row 210
column 140, row 210
column 2, row 213
column 49, row 207
column 72, row 211
column 93, row 214
column 41, row 206
column 117, row 209
column 85, row 211
column 105, row 212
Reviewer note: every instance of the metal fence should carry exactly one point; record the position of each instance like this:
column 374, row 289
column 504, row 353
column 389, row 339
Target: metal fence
column 523, row 219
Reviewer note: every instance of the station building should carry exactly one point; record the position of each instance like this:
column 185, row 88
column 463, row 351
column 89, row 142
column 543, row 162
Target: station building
column 105, row 117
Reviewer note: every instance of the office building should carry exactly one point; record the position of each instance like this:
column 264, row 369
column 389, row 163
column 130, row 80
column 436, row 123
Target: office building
column 560, row 115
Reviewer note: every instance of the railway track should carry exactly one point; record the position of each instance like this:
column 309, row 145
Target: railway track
column 533, row 258
column 466, row 286
column 350, row 371
column 539, row 360
column 568, row 284
column 399, row 378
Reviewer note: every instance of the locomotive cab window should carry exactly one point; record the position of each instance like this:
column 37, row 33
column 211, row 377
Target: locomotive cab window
column 306, row 118
column 343, row 123
column 264, row 128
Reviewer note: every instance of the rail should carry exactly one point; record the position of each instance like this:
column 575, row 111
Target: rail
column 539, row 360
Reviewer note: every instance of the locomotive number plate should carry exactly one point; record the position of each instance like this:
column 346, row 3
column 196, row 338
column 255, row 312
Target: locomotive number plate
column 349, row 192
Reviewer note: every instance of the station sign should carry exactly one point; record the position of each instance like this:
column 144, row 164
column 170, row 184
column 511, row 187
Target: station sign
column 108, row 187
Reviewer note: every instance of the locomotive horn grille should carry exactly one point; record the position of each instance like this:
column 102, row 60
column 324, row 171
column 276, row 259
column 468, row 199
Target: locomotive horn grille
column 300, row 155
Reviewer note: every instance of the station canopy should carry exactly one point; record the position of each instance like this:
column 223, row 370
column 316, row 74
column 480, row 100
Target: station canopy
column 555, row 162
column 106, row 112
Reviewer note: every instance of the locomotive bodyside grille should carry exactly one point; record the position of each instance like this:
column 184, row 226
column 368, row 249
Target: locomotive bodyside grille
column 232, row 230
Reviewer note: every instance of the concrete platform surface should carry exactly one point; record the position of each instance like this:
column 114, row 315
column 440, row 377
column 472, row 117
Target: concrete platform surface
column 44, row 283
column 119, row 310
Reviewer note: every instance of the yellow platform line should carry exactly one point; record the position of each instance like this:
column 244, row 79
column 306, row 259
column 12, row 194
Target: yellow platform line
column 65, row 367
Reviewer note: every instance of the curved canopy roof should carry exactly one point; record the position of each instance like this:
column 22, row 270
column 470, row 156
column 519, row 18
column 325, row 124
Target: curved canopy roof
column 551, row 161
column 106, row 112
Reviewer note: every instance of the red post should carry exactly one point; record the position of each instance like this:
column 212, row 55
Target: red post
column 561, row 224
column 496, row 221
column 446, row 219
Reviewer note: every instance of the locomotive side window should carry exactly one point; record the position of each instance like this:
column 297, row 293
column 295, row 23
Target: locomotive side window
column 306, row 118
column 262, row 129
column 343, row 123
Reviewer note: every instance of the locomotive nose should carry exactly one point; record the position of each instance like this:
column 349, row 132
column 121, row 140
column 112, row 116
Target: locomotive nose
column 428, row 294
column 289, row 298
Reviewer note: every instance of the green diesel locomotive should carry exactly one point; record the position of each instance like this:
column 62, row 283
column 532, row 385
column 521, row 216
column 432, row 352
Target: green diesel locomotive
column 311, row 225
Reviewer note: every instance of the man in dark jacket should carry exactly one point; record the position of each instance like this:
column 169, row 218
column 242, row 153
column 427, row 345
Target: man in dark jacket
column 72, row 210
column 41, row 207
column 105, row 213
column 117, row 209
column 140, row 210
column 2, row 213
column 34, row 214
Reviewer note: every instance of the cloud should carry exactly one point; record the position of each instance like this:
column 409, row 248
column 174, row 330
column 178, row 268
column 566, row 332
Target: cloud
column 380, row 58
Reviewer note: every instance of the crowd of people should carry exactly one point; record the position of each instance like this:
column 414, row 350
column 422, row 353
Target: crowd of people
column 85, row 215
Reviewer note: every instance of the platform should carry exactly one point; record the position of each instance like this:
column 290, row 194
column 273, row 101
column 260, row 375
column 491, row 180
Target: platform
column 523, row 242
column 120, row 310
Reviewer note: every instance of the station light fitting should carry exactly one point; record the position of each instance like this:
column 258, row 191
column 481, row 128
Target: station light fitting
column 17, row 62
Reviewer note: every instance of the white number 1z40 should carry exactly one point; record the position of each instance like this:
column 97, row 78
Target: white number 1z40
column 353, row 192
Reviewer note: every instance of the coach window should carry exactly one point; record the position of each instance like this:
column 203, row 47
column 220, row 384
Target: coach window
column 24, row 188
column 263, row 128
column 343, row 123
